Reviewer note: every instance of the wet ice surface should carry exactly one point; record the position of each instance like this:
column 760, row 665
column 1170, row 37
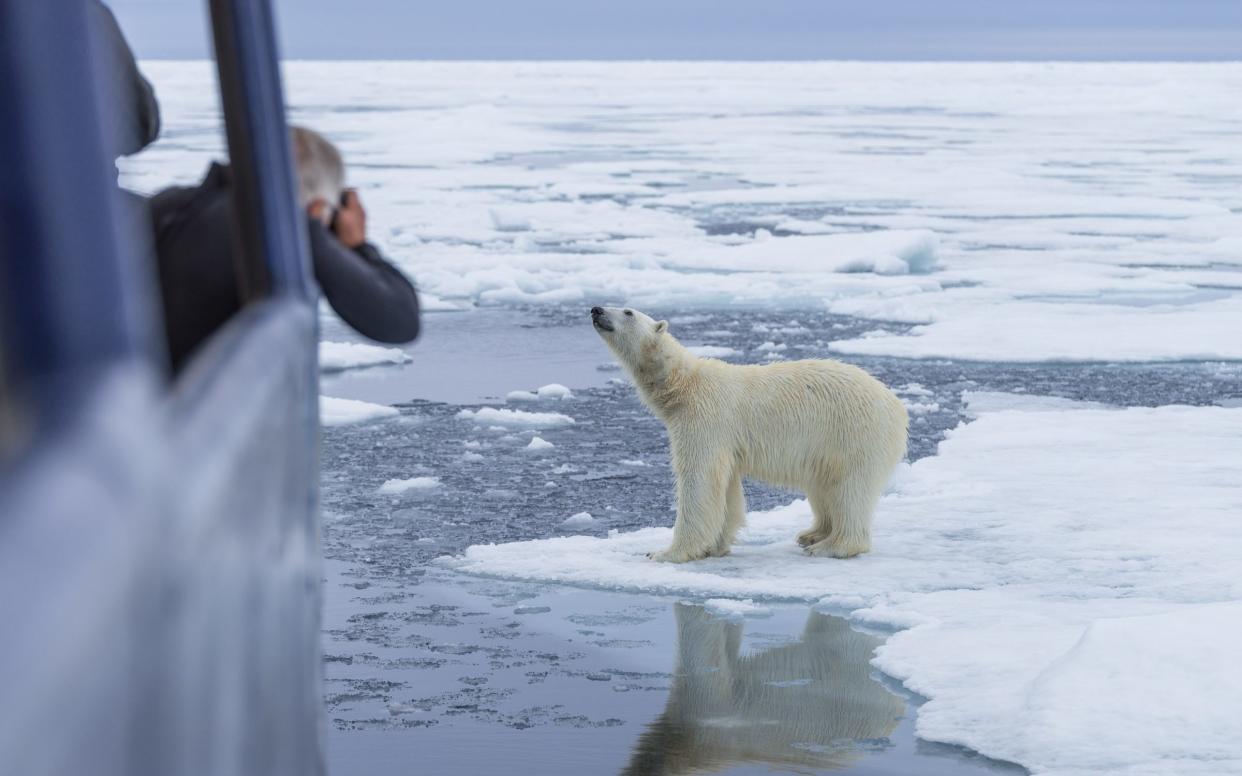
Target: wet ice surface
column 461, row 675
column 496, row 676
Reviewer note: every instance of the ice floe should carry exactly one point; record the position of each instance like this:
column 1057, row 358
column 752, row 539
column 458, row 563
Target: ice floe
column 336, row 412
column 506, row 418
column 413, row 483
column 538, row 444
column 1063, row 581
column 549, row 391
column 1090, row 213
column 579, row 520
column 338, row 356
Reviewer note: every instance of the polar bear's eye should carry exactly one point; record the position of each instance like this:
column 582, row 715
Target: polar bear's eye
column 629, row 312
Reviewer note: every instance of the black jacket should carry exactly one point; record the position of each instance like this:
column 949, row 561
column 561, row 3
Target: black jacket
column 193, row 244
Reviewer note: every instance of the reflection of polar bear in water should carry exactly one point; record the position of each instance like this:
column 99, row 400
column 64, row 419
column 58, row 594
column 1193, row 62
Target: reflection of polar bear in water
column 824, row 427
column 724, row 709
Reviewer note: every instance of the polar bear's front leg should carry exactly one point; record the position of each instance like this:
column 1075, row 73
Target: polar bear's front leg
column 701, row 511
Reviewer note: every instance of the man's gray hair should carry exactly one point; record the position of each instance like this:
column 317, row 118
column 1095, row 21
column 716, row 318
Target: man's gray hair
column 321, row 172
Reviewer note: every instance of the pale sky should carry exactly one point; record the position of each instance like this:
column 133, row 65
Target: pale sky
column 715, row 29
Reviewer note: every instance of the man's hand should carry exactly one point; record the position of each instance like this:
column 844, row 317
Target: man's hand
column 350, row 223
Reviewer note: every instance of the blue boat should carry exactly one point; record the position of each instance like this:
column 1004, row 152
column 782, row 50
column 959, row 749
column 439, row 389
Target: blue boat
column 159, row 541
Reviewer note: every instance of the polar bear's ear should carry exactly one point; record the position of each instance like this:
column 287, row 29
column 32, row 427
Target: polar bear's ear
column 661, row 327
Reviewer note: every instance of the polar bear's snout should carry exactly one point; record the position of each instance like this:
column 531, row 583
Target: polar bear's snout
column 599, row 318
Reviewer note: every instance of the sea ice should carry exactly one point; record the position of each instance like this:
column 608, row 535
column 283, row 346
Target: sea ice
column 338, row 356
column 335, row 412
column 579, row 520
column 554, row 391
column 1064, row 578
column 712, row 351
column 538, row 444
column 505, row 418
column 549, row 391
column 1027, row 249
column 413, row 483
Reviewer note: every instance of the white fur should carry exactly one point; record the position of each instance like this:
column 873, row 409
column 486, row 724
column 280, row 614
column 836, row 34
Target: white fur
column 826, row 428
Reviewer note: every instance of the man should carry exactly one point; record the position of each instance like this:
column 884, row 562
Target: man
column 198, row 278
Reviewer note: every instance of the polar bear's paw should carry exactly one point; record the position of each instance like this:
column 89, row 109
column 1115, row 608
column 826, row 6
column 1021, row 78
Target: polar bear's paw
column 675, row 556
column 840, row 549
column 811, row 536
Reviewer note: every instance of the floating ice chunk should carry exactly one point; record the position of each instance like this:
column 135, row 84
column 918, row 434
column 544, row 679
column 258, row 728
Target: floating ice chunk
column 413, row 483
column 337, row 412
column 913, row 389
column 632, row 462
column 538, row 444
column 712, row 351
column 338, row 356
column 735, row 608
column 549, row 391
column 564, row 469
column 554, row 391
column 471, row 457
column 579, row 520
column 920, row 408
column 771, row 347
column 516, row 418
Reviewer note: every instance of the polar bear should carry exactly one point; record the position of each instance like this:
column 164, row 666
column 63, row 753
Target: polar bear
column 823, row 427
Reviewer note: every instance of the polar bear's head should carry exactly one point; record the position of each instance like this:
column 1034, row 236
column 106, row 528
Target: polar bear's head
column 652, row 356
column 645, row 348
column 627, row 331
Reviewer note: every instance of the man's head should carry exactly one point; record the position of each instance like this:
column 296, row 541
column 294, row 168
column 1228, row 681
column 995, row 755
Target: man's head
column 321, row 173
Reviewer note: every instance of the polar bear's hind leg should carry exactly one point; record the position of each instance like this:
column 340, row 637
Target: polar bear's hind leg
column 822, row 504
column 852, row 504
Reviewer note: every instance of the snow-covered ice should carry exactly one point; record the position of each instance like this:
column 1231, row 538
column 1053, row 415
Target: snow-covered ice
column 338, row 356
column 516, row 418
column 413, row 483
column 1064, row 580
column 335, row 411
column 1019, row 211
